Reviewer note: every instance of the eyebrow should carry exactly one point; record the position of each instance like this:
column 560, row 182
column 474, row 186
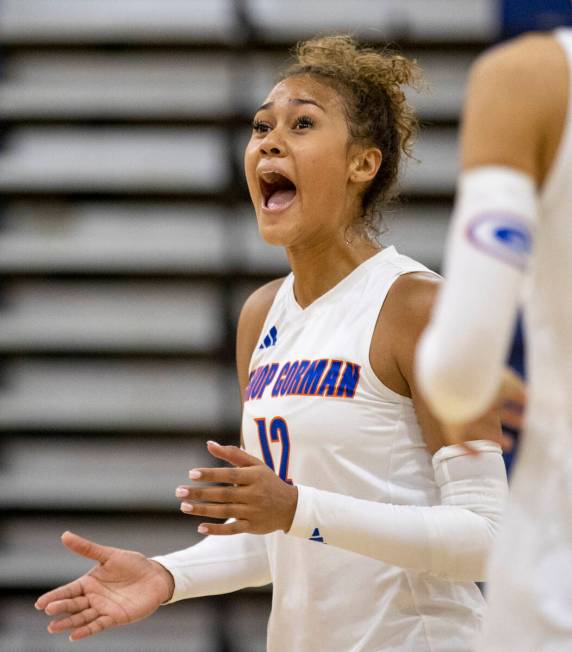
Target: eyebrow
column 296, row 100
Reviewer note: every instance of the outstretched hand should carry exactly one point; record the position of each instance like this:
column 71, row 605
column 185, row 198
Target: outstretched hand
column 124, row 587
column 253, row 495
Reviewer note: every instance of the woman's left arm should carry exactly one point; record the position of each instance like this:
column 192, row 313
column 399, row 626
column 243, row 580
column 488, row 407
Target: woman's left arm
column 450, row 540
column 404, row 318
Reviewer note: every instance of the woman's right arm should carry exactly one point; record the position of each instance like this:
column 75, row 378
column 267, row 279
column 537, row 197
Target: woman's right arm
column 126, row 586
column 222, row 565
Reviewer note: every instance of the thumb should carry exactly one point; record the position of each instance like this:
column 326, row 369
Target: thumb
column 86, row 548
column 232, row 454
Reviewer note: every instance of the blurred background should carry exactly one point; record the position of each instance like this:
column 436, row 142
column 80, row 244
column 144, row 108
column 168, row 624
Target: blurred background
column 127, row 245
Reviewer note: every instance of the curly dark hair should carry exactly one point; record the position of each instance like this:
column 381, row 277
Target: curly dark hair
column 370, row 84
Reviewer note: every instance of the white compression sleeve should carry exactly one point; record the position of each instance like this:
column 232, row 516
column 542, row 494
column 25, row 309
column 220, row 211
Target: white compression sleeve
column 450, row 540
column 462, row 352
column 218, row 565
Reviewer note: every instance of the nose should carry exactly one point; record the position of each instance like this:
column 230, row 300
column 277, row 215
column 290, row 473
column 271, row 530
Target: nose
column 272, row 146
column 270, row 150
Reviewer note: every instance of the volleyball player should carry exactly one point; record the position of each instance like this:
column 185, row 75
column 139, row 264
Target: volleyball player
column 371, row 531
column 512, row 236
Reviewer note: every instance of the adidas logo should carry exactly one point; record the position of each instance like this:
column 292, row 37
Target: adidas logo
column 270, row 339
column 316, row 536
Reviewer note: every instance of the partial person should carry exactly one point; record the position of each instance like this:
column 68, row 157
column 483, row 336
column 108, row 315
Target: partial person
column 511, row 244
column 344, row 497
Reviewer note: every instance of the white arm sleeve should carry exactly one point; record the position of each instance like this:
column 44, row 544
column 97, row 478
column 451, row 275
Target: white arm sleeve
column 462, row 352
column 450, row 540
column 218, row 565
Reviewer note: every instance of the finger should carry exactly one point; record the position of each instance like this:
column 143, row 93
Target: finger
column 515, row 401
column 506, row 442
column 95, row 627
column 512, row 416
column 227, row 494
column 513, row 421
column 226, row 475
column 222, row 529
column 232, row 454
column 86, row 548
column 71, row 622
column 70, row 606
column 68, row 591
column 213, row 511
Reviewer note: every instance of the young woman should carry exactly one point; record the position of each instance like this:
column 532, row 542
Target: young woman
column 344, row 498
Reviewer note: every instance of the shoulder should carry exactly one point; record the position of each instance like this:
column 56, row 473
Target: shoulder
column 521, row 69
column 258, row 304
column 405, row 313
column 515, row 90
column 410, row 300
column 250, row 323
column 524, row 54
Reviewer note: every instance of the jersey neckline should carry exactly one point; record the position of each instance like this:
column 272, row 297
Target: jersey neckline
column 352, row 277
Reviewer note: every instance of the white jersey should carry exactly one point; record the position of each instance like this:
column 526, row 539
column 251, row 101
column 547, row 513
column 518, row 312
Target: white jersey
column 316, row 412
column 531, row 569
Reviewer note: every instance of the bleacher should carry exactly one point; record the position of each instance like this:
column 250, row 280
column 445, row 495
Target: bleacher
column 127, row 245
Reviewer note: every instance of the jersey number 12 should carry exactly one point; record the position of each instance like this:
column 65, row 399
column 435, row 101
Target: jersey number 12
column 278, row 431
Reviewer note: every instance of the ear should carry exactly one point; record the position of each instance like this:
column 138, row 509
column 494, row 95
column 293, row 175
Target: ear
column 364, row 164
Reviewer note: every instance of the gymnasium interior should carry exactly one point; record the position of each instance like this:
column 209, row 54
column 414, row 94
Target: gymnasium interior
column 128, row 245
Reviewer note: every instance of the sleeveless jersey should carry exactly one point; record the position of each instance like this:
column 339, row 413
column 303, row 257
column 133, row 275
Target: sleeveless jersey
column 315, row 412
column 531, row 568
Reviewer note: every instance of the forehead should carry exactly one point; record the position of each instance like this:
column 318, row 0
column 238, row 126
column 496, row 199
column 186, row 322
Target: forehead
column 305, row 87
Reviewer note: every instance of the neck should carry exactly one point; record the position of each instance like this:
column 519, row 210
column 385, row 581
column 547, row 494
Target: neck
column 319, row 267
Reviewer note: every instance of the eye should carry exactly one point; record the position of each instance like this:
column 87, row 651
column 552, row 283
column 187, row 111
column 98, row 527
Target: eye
column 303, row 122
column 260, row 127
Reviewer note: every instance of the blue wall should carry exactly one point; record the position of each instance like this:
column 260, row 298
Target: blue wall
column 525, row 15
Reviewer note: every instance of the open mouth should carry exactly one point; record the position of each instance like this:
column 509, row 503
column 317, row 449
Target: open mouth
column 278, row 191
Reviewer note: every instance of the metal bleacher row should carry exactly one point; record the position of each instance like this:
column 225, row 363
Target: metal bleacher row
column 127, row 245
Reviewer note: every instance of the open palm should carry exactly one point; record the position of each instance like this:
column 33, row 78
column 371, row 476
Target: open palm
column 123, row 588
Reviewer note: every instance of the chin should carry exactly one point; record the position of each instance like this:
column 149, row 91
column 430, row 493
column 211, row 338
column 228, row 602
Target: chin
column 273, row 236
column 276, row 234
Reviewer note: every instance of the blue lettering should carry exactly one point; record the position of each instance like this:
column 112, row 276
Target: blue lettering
column 349, row 381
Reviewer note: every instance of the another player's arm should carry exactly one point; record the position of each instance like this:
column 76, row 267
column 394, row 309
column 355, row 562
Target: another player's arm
column 511, row 127
column 516, row 106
